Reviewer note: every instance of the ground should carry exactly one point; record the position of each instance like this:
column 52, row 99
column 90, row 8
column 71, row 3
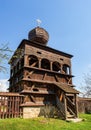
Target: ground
column 45, row 124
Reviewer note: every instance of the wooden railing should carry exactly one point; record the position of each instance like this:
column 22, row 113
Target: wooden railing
column 10, row 105
column 71, row 108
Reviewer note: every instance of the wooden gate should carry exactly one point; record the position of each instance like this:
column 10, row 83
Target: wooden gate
column 10, row 105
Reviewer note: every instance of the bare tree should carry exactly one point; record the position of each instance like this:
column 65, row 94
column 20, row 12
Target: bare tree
column 87, row 85
column 4, row 56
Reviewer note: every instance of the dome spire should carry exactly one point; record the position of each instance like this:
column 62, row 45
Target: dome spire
column 38, row 22
column 38, row 34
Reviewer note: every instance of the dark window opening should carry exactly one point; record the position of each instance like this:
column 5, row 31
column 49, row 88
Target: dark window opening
column 56, row 66
column 61, row 59
column 33, row 61
column 66, row 69
column 39, row 52
column 35, row 89
column 45, row 64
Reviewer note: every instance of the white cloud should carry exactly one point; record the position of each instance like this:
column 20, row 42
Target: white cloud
column 4, row 84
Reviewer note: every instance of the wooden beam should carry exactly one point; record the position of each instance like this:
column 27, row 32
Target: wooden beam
column 56, row 78
column 76, row 105
column 65, row 106
column 61, row 96
column 31, row 72
column 34, row 64
column 69, row 80
column 44, row 76
column 70, row 100
column 32, row 98
column 32, row 86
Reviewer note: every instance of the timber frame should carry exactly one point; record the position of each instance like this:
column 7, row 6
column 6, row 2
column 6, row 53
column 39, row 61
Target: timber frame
column 43, row 75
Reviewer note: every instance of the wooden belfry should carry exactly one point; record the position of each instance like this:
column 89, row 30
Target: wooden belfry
column 43, row 75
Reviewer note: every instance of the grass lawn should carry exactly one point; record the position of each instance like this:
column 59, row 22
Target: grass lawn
column 45, row 124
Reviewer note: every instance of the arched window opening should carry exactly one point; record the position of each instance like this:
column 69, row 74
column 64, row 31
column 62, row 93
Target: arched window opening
column 56, row 66
column 33, row 61
column 45, row 64
column 66, row 69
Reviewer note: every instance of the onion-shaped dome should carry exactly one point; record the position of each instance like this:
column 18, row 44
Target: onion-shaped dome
column 39, row 35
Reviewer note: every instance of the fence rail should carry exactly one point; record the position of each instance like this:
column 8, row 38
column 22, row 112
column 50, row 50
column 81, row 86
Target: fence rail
column 10, row 105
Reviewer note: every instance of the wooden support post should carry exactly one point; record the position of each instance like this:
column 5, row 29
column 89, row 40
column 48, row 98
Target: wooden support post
column 76, row 105
column 44, row 76
column 51, row 65
column 56, row 78
column 70, row 71
column 69, row 81
column 65, row 106
column 61, row 96
column 39, row 63
column 26, row 61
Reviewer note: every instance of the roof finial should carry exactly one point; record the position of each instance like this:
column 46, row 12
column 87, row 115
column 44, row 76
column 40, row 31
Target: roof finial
column 38, row 22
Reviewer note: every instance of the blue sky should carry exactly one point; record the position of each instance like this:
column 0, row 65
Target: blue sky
column 67, row 21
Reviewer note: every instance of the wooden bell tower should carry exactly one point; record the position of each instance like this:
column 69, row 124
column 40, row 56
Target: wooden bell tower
column 43, row 75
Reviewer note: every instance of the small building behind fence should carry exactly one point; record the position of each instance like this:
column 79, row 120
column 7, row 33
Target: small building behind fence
column 84, row 105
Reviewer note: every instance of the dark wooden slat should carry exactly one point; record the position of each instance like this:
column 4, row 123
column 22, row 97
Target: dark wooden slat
column 10, row 106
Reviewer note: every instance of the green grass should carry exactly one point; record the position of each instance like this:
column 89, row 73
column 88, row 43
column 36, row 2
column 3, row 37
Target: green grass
column 45, row 124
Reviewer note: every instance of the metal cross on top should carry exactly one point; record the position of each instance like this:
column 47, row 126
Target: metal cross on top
column 38, row 22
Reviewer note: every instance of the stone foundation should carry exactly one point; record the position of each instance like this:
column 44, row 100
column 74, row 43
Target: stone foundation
column 31, row 112
column 36, row 111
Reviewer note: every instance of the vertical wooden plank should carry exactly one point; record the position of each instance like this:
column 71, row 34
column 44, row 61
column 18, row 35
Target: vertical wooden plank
column 21, row 109
column 15, row 106
column 19, row 106
column 12, row 108
column 3, row 107
column 14, row 101
column 76, row 105
column 0, row 106
column 6, row 105
column 51, row 65
column 9, row 107
column 65, row 106
column 39, row 63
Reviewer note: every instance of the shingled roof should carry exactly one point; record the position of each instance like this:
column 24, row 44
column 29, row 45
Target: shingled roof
column 67, row 88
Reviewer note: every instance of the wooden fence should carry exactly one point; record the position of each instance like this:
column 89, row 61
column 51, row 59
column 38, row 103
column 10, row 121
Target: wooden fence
column 84, row 105
column 10, row 105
